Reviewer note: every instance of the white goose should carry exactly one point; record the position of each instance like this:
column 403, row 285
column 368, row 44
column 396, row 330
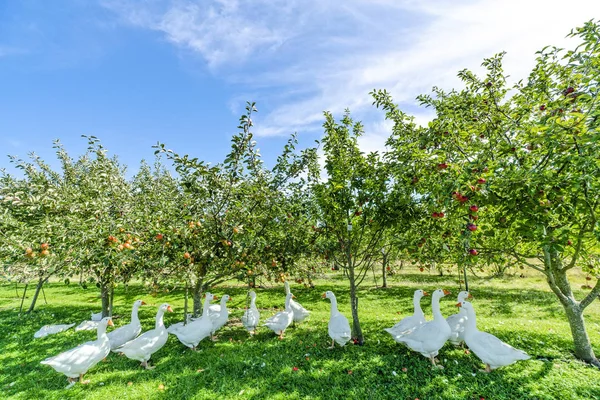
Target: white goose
column 128, row 332
column 280, row 321
column 51, row 330
column 338, row 327
column 188, row 318
column 149, row 342
column 214, row 309
column 491, row 350
column 76, row 362
column 457, row 321
column 220, row 319
column 251, row 316
column 87, row 326
column 96, row 316
column 407, row 324
column 300, row 313
column 194, row 332
column 429, row 337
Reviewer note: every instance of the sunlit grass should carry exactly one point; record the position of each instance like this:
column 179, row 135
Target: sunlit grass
column 522, row 312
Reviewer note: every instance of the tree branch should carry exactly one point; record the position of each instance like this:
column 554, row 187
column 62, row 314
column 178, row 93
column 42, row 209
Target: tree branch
column 591, row 296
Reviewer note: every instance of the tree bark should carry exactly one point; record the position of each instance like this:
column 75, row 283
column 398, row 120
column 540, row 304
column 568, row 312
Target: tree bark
column 38, row 289
column 105, row 295
column 581, row 340
column 23, row 298
column 384, row 270
column 356, row 330
column 112, row 298
column 185, row 303
column 197, row 291
column 559, row 283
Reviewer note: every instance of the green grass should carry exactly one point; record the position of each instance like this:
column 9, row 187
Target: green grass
column 520, row 311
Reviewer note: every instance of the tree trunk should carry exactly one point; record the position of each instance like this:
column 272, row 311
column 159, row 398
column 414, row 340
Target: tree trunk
column 197, row 291
column 38, row 289
column 384, row 270
column 559, row 283
column 112, row 298
column 105, row 295
column 185, row 303
column 581, row 340
column 356, row 330
column 23, row 298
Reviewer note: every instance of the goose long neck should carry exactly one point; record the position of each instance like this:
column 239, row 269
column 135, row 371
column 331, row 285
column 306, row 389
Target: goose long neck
column 288, row 300
column 435, row 307
column 101, row 331
column 205, row 308
column 334, row 308
column 134, row 313
column 417, row 305
column 287, row 288
column 471, row 323
column 253, row 302
column 159, row 319
column 223, row 304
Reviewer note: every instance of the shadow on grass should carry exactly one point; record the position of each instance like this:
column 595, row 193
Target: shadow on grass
column 238, row 366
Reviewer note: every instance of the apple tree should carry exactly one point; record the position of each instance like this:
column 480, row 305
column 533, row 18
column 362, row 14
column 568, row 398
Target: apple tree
column 526, row 157
column 356, row 202
column 37, row 230
column 231, row 206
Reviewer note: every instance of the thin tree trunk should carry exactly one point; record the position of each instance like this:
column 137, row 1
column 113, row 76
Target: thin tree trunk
column 112, row 298
column 23, row 298
column 185, row 303
column 384, row 270
column 38, row 288
column 356, row 330
column 197, row 297
column 105, row 295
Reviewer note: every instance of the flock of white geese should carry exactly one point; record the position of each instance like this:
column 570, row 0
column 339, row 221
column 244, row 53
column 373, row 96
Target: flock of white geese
column 425, row 337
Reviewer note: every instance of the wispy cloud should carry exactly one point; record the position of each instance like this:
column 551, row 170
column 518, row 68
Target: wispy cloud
column 6, row 51
column 299, row 58
column 13, row 142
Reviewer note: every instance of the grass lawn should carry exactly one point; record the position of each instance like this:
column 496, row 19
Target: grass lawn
column 520, row 311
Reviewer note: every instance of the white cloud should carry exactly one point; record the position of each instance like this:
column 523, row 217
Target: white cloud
column 298, row 58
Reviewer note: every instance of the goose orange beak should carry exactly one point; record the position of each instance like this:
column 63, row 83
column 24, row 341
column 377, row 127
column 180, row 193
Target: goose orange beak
column 469, row 296
column 446, row 292
column 458, row 304
column 169, row 309
column 110, row 323
column 324, row 296
column 144, row 303
column 425, row 293
column 215, row 298
column 229, row 299
column 293, row 297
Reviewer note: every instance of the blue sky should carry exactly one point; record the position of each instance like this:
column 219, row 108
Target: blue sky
column 135, row 72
